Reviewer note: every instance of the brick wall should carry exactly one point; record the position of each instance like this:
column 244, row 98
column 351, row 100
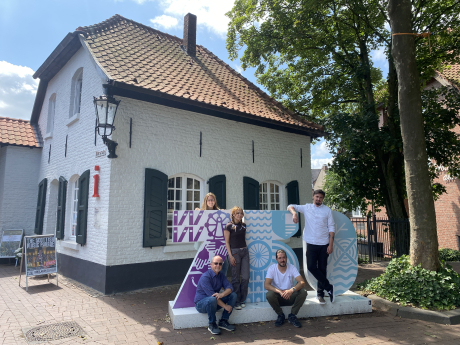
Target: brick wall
column 168, row 139
column 18, row 193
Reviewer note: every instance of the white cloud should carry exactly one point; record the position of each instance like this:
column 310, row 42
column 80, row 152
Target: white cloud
column 318, row 163
column 320, row 150
column 165, row 21
column 17, row 90
column 238, row 68
column 210, row 13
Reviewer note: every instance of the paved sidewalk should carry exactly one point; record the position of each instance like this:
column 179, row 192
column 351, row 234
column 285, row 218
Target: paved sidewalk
column 141, row 318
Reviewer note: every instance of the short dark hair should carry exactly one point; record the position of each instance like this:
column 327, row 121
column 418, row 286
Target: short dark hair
column 280, row 251
column 319, row 191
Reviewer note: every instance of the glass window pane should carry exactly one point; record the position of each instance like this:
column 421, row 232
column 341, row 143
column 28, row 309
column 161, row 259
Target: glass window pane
column 189, row 195
column 197, row 184
column 272, row 188
column 264, row 198
column 178, row 182
column 265, row 188
column 171, row 194
column 277, row 207
column 189, row 183
column 272, row 198
column 189, row 206
column 171, row 183
column 260, row 188
column 260, row 198
column 178, row 206
column 196, row 205
column 277, row 188
column 196, row 196
column 272, row 206
column 277, row 198
column 170, row 206
column 178, row 195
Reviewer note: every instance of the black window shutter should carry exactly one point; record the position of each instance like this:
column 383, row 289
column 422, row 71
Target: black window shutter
column 155, row 208
column 40, row 212
column 250, row 193
column 60, row 216
column 292, row 189
column 82, row 215
column 218, row 186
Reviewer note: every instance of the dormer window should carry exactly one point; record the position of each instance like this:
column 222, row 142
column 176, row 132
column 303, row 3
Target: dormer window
column 77, row 83
column 51, row 111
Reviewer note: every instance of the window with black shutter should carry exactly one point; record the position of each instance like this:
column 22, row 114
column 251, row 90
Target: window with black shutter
column 40, row 211
column 82, row 216
column 218, row 186
column 293, row 197
column 155, row 208
column 60, row 214
column 250, row 193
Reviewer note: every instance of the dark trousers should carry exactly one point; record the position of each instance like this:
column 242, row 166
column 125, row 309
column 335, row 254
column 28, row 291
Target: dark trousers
column 317, row 263
column 297, row 300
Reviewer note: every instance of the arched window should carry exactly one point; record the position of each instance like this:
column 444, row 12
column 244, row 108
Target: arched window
column 270, row 196
column 77, row 85
column 51, row 111
column 185, row 192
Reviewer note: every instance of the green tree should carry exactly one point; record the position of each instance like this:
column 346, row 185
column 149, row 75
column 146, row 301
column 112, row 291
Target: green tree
column 314, row 56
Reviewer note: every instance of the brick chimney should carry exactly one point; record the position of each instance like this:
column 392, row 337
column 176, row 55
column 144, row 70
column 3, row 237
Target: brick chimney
column 190, row 34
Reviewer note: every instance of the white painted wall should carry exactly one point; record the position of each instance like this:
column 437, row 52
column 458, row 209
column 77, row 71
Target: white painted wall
column 167, row 139
column 19, row 187
column 81, row 156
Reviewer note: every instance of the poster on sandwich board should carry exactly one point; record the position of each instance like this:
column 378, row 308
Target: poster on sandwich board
column 9, row 242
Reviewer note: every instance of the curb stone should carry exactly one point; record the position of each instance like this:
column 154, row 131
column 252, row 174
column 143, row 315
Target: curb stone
column 450, row 317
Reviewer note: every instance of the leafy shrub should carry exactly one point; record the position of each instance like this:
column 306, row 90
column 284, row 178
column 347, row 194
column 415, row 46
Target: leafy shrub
column 415, row 285
column 447, row 254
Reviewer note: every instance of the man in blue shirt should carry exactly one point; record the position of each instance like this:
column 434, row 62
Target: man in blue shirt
column 209, row 299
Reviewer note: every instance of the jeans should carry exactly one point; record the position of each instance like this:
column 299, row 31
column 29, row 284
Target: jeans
column 241, row 269
column 297, row 299
column 209, row 305
column 317, row 263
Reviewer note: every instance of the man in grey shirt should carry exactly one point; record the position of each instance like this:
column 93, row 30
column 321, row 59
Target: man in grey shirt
column 318, row 233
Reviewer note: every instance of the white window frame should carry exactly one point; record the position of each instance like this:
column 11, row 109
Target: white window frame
column 51, row 113
column 281, row 195
column 76, row 93
column 356, row 213
column 72, row 201
column 183, row 201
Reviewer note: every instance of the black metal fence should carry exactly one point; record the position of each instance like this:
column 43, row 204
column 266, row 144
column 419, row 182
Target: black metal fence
column 381, row 239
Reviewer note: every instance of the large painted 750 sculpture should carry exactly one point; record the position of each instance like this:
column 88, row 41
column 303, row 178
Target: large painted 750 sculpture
column 264, row 231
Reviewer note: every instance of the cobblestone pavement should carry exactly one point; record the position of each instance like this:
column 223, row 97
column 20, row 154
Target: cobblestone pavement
column 141, row 318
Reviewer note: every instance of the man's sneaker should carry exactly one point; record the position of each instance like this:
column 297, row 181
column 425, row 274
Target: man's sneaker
column 321, row 299
column 237, row 306
column 331, row 294
column 293, row 319
column 225, row 325
column 280, row 320
column 243, row 305
column 213, row 328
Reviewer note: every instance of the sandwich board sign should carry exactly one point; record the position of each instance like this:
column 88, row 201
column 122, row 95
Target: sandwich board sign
column 40, row 255
column 10, row 241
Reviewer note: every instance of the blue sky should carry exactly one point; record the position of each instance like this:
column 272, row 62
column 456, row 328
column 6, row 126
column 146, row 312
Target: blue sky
column 31, row 29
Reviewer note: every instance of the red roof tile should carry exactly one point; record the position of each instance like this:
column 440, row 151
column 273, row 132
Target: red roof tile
column 17, row 132
column 452, row 74
column 138, row 55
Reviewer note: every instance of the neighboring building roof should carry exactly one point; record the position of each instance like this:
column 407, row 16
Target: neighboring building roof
column 18, row 132
column 314, row 175
column 452, row 73
column 138, row 58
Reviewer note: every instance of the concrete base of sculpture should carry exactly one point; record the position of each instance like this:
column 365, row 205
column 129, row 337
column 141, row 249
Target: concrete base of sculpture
column 348, row 303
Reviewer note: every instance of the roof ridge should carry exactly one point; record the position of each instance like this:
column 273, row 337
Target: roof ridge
column 117, row 19
column 14, row 119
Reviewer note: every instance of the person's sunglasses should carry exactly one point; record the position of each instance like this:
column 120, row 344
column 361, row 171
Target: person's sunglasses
column 217, row 263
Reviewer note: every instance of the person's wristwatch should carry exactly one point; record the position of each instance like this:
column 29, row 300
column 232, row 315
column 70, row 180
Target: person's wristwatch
column 293, row 288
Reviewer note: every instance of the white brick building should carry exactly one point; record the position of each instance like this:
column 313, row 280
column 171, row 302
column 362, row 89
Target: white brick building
column 186, row 124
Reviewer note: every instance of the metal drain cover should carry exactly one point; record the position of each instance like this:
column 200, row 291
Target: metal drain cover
column 54, row 332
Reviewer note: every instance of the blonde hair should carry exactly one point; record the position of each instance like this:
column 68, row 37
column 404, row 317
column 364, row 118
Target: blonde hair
column 234, row 210
column 204, row 205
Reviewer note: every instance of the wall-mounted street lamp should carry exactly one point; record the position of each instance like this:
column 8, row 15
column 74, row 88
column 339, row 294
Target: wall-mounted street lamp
column 106, row 110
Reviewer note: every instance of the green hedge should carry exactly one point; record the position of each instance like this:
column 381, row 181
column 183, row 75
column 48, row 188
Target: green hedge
column 407, row 284
column 449, row 254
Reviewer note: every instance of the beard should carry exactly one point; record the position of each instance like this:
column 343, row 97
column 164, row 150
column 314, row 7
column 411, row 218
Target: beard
column 282, row 264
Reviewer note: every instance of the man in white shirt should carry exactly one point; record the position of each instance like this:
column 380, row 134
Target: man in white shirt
column 279, row 282
column 318, row 233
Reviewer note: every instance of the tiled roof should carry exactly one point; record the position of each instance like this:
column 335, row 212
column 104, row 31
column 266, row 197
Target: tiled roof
column 17, row 132
column 452, row 74
column 314, row 175
column 140, row 56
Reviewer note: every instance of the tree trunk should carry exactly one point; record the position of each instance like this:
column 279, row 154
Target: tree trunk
column 423, row 237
